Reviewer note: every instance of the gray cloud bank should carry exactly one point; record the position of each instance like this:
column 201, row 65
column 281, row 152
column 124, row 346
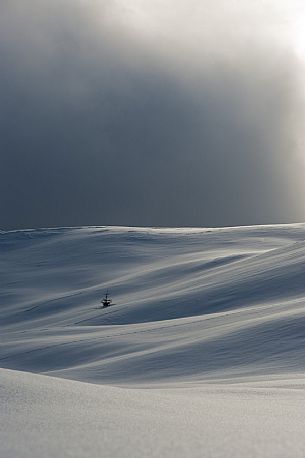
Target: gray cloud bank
column 185, row 113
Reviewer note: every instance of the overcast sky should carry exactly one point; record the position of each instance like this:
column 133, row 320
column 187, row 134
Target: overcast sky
column 159, row 113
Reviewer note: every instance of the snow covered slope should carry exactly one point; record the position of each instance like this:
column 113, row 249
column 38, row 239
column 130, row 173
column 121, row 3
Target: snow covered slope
column 190, row 304
column 213, row 318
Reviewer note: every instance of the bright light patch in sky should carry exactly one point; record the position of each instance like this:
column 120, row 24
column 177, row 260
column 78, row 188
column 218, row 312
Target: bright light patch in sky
column 300, row 36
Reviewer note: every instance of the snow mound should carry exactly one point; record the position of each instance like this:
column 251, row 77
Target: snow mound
column 49, row 417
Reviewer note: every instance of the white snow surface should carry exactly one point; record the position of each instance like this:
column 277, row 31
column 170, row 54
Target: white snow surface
column 202, row 353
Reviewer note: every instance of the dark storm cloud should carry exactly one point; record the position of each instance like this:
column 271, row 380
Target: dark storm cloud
column 156, row 115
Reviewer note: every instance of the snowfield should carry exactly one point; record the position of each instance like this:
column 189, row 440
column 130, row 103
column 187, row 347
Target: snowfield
column 201, row 355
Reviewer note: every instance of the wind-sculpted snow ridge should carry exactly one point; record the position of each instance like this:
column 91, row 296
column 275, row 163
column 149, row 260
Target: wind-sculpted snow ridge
column 191, row 305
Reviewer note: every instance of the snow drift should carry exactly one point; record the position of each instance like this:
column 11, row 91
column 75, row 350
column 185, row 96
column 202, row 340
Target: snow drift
column 207, row 317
